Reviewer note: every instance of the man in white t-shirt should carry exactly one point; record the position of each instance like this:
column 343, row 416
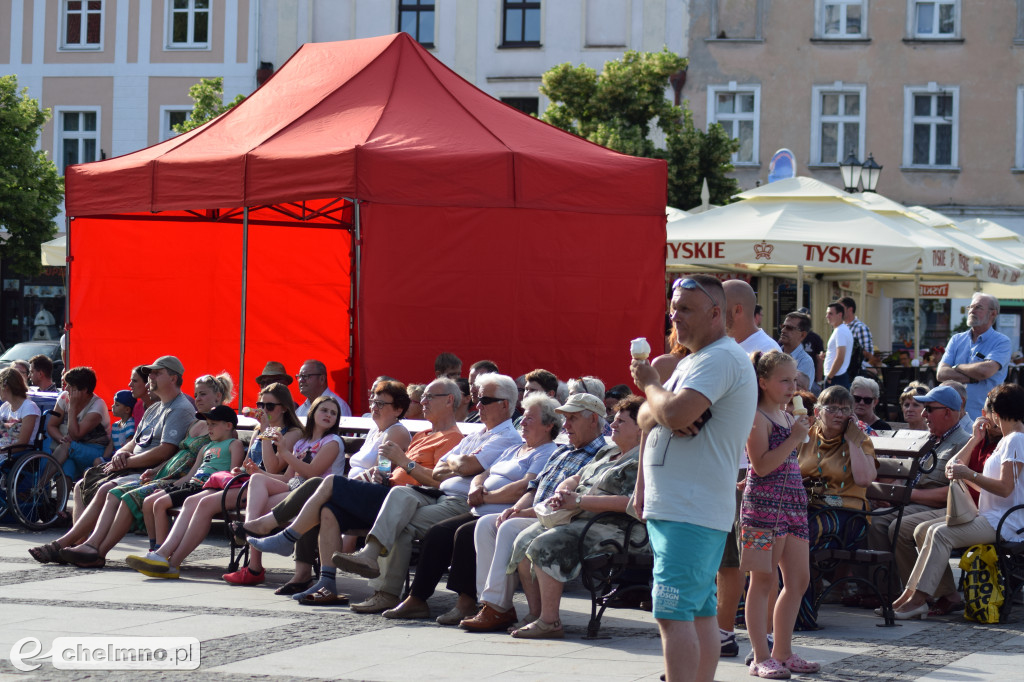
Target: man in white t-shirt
column 740, row 302
column 686, row 488
column 741, row 323
column 839, row 349
column 313, row 384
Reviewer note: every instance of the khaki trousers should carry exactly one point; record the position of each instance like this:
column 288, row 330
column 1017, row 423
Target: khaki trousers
column 936, row 541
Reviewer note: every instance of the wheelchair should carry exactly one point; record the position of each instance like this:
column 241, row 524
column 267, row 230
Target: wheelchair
column 33, row 487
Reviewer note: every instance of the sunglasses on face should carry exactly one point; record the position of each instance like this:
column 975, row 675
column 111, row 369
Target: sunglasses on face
column 932, row 408
column 269, row 407
column 862, row 399
column 484, row 400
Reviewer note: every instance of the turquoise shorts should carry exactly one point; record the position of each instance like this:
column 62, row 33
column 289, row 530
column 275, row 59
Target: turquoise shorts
column 686, row 560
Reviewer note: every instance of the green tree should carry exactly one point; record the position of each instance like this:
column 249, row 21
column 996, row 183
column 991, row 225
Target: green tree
column 207, row 103
column 622, row 106
column 31, row 189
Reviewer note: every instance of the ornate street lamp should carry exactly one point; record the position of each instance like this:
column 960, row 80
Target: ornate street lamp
column 850, row 169
column 869, row 174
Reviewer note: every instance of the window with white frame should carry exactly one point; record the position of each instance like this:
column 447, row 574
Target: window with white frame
column 931, row 125
column 738, row 109
column 934, row 19
column 837, row 120
column 81, row 25
column 171, row 116
column 77, row 135
column 841, row 19
column 188, row 23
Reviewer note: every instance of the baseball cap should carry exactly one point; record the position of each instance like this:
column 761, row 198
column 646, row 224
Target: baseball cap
column 580, row 402
column 125, row 398
column 943, row 395
column 168, row 362
column 221, row 413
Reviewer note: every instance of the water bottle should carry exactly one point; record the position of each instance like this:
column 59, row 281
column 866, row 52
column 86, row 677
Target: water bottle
column 384, row 466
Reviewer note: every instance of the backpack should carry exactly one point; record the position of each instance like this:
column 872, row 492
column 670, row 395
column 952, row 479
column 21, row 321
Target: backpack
column 981, row 583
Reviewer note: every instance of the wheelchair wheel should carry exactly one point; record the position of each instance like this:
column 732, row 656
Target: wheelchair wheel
column 5, row 468
column 37, row 490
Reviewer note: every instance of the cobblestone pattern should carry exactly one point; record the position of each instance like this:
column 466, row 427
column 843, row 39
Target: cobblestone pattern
column 908, row 658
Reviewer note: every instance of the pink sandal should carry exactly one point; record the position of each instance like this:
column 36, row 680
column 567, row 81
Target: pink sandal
column 796, row 664
column 769, row 669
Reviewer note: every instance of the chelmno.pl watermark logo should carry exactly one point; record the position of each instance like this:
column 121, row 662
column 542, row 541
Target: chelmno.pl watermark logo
column 109, row 653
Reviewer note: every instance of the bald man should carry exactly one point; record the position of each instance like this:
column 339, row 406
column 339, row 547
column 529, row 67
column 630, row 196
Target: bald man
column 740, row 302
column 977, row 357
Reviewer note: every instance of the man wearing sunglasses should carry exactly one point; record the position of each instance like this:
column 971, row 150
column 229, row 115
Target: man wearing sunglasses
column 313, row 384
column 942, row 407
column 686, row 489
column 408, row 513
column 792, row 333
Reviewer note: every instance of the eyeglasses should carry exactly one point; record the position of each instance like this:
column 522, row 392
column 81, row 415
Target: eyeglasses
column 380, row 403
column 836, row 409
column 789, row 328
column 690, row 285
column 862, row 399
column 302, row 377
column 269, row 407
column 932, row 408
column 431, row 396
column 485, row 400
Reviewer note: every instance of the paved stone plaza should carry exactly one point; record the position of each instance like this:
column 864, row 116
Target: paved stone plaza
column 248, row 633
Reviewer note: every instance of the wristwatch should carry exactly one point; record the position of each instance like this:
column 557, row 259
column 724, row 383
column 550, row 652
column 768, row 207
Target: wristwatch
column 410, row 466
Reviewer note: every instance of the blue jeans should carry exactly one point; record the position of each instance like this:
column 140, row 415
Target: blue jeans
column 80, row 456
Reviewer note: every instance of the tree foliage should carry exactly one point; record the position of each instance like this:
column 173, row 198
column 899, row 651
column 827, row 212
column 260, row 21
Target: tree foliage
column 207, row 103
column 31, row 189
column 624, row 108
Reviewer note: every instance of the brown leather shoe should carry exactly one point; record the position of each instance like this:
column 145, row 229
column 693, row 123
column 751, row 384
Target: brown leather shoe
column 489, row 620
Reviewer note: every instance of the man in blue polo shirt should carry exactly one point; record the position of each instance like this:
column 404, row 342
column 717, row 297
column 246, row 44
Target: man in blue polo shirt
column 978, row 357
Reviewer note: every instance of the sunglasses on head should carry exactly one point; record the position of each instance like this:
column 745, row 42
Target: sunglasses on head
column 690, row 285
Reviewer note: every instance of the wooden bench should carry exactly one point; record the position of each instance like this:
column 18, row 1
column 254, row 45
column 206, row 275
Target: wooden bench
column 901, row 457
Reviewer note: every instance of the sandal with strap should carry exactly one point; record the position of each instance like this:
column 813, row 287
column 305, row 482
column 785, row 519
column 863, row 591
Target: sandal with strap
column 47, row 554
column 83, row 556
column 538, row 629
column 769, row 669
column 324, row 597
column 796, row 664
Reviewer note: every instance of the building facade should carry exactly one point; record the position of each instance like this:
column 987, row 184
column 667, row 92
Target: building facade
column 933, row 90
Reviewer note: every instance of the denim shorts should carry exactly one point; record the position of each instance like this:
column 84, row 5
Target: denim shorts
column 686, row 560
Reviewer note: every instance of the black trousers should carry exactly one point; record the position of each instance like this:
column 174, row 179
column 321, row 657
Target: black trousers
column 449, row 543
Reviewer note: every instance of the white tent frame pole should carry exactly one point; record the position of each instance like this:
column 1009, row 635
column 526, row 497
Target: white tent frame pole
column 353, row 295
column 917, row 314
column 863, row 297
column 245, row 275
column 799, row 286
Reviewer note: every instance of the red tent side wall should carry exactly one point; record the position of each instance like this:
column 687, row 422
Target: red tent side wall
column 559, row 290
column 149, row 286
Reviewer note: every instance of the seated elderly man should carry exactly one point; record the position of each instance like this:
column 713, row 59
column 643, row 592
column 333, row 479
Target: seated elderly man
column 928, row 498
column 163, row 427
column 495, row 534
column 408, row 513
column 312, row 378
column 865, row 399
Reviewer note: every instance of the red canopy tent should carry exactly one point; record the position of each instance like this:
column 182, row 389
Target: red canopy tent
column 369, row 208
